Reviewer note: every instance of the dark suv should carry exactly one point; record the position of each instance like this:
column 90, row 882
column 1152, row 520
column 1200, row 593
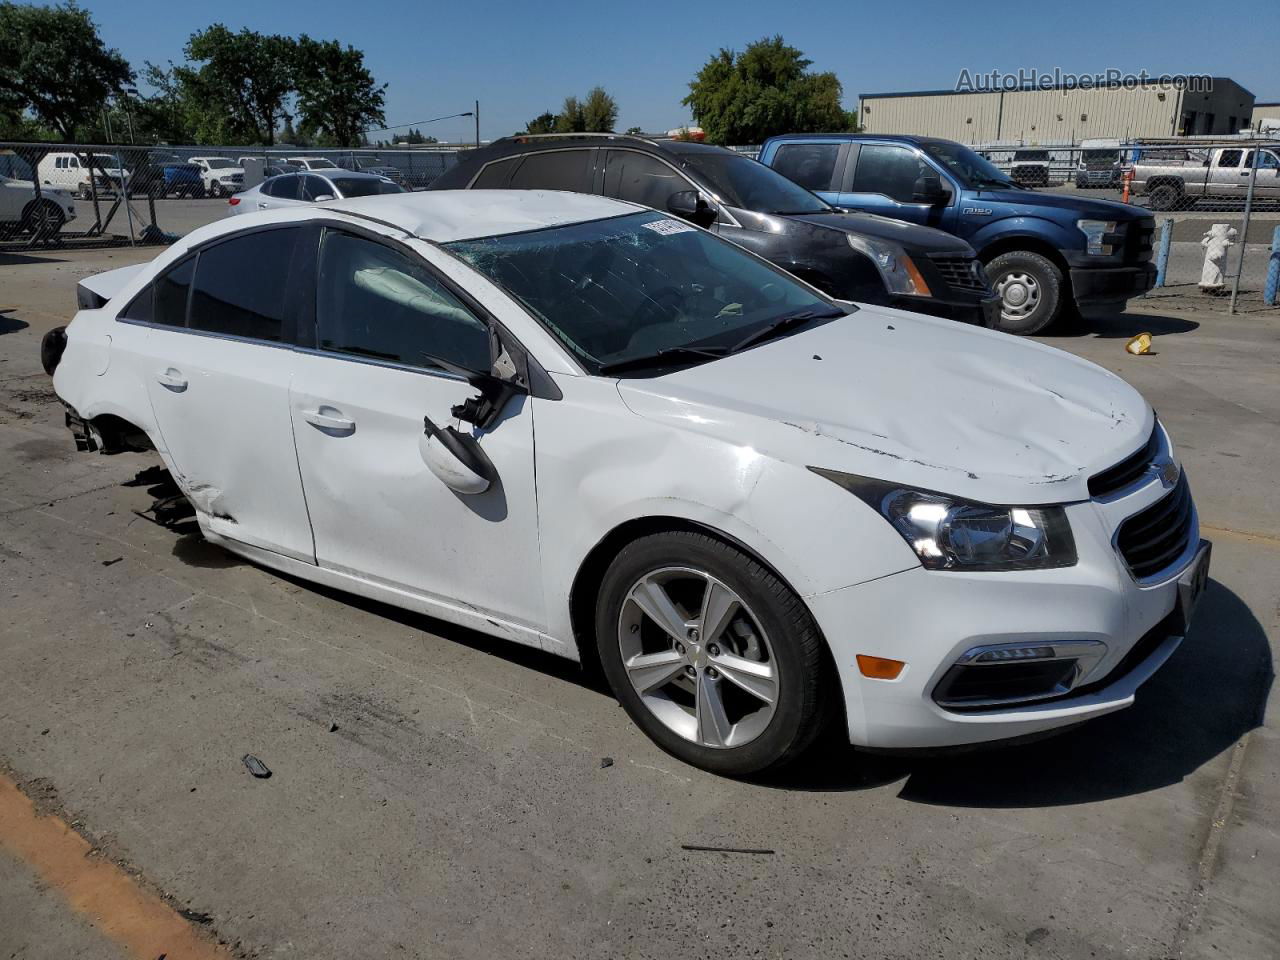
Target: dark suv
column 851, row 256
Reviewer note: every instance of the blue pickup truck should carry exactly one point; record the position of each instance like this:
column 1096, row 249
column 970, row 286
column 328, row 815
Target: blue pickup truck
column 1043, row 251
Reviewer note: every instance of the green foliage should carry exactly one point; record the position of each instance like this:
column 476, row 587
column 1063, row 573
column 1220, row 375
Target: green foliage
column 413, row 136
column 599, row 111
column 336, row 94
column 242, row 83
column 596, row 114
column 54, row 64
column 634, row 131
column 570, row 118
column 542, row 123
column 764, row 91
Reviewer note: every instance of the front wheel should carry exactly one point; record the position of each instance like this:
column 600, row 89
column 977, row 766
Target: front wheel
column 711, row 655
column 1165, row 196
column 1030, row 288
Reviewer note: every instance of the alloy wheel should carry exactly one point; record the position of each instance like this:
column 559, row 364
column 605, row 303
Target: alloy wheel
column 698, row 657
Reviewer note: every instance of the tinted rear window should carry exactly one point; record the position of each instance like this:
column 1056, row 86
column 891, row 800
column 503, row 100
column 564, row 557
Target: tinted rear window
column 364, row 187
column 811, row 165
column 561, row 170
column 241, row 285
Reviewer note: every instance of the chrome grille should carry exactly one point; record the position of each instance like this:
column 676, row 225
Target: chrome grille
column 1151, row 540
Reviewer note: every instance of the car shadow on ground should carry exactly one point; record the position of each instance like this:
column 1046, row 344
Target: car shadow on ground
column 1122, row 326
column 10, row 324
column 1213, row 690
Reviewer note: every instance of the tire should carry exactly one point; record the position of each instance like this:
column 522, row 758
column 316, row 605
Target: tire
column 1163, row 196
column 43, row 219
column 215, row 191
column 767, row 640
column 83, row 192
column 1031, row 291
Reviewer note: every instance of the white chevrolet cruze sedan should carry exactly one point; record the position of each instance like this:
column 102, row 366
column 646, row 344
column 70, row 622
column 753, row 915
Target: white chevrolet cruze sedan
column 588, row 427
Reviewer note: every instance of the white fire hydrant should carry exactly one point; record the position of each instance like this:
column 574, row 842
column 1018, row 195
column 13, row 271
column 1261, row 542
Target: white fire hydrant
column 1219, row 238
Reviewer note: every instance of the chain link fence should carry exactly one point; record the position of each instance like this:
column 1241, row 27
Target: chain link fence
column 102, row 194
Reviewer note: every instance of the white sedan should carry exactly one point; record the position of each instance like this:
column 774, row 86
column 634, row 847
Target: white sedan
column 294, row 189
column 592, row 428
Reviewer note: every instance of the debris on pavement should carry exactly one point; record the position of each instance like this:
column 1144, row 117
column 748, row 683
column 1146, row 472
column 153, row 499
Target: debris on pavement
column 256, row 766
column 707, row 849
column 606, row 762
column 1140, row 345
column 107, row 563
column 195, row 916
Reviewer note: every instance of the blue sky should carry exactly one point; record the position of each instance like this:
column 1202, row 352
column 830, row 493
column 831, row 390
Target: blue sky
column 520, row 58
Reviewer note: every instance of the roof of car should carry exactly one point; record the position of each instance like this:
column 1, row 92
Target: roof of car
column 443, row 216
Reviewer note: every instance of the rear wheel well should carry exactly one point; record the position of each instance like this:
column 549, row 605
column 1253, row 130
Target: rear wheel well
column 1176, row 182
column 113, row 434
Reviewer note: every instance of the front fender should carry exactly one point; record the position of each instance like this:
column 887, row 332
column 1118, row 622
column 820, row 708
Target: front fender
column 1038, row 229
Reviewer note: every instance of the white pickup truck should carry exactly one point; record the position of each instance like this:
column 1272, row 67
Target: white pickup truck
column 1174, row 179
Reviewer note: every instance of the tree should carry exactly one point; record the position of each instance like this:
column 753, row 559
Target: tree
column 54, row 64
column 337, row 96
column 635, row 131
column 764, row 91
column 542, row 123
column 243, row 83
column 570, row 119
column 170, row 112
column 599, row 111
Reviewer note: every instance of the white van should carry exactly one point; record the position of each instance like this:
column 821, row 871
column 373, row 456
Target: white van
column 71, row 172
column 19, row 208
column 1100, row 164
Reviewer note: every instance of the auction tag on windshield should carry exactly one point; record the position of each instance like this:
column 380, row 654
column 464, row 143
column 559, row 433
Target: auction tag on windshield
column 667, row 227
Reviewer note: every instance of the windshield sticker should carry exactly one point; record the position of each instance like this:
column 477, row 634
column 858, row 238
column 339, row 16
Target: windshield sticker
column 667, row 227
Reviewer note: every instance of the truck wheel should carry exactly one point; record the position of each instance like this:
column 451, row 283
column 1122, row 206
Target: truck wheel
column 1164, row 196
column 1030, row 288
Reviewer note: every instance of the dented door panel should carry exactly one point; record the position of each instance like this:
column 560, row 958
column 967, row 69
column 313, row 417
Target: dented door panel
column 379, row 513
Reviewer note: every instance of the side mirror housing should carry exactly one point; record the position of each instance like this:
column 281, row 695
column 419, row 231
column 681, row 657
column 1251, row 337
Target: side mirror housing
column 455, row 459
column 928, row 189
column 323, row 197
column 689, row 205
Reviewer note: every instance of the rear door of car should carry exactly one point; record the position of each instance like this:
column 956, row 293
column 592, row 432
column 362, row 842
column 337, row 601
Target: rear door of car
column 818, row 165
column 280, row 191
column 218, row 361
column 571, row 169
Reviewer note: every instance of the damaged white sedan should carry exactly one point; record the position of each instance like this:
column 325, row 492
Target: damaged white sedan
column 588, row 427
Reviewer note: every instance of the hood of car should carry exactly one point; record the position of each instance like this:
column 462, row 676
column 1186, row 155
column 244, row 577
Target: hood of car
column 910, row 236
column 910, row 399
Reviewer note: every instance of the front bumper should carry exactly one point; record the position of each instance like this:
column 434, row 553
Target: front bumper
column 1099, row 289
column 983, row 311
column 930, row 619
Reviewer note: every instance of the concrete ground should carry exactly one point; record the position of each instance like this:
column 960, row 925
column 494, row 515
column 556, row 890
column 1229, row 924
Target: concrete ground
column 436, row 793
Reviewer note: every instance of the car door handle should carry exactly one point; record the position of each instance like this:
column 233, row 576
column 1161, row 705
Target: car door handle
column 172, row 379
column 329, row 420
column 262, row 206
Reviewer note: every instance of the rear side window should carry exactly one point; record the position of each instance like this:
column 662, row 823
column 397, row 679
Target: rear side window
column 1229, row 158
column 889, row 170
column 560, row 170
column 641, row 179
column 374, row 301
column 241, row 285
column 286, row 187
column 494, row 176
column 171, row 289
column 812, row 165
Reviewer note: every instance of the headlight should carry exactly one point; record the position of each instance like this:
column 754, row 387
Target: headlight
column 1095, row 231
column 898, row 271
column 948, row 533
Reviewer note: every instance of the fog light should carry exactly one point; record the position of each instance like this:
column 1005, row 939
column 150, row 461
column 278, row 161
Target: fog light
column 1005, row 654
column 879, row 668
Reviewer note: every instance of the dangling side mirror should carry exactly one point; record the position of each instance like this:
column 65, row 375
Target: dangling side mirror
column 455, row 458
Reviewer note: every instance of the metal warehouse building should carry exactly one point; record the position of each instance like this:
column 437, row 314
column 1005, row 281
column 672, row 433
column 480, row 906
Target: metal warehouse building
column 1064, row 114
column 1266, row 111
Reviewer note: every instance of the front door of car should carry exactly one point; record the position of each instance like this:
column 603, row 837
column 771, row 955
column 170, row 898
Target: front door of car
column 383, row 318
column 217, row 363
column 1267, row 177
column 884, row 182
